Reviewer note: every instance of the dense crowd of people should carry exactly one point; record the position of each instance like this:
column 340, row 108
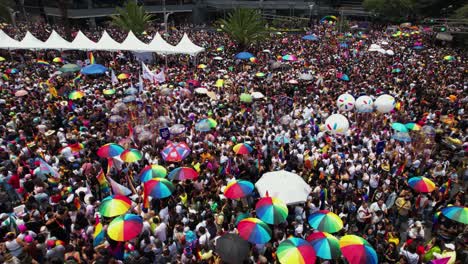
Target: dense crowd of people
column 354, row 175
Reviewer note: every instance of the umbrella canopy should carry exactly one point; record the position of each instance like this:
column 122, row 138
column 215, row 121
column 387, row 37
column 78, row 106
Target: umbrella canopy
column 183, row 173
column 175, row 152
column 131, row 155
column 2, row 58
column 306, row 76
column 131, row 90
column 342, row 76
column 254, row 230
column 232, row 249
column 260, row 74
column 289, row 58
column 75, row 95
column 110, row 150
column 177, row 129
column 21, row 93
column 93, row 69
column 413, row 126
column 326, row 245
column 449, row 58
column 238, row 189
column 206, row 124
column 114, row 205
column 57, row 60
column 310, row 37
column 287, row 186
column 456, row 213
column 271, row 210
column 244, row 55
column 152, row 171
column 357, row 250
column 246, row 98
column 282, row 139
column 325, row 221
column 402, row 136
column 295, row 251
column 399, row 127
column 12, row 71
column 158, row 188
column 257, row 95
column 201, row 90
column 242, row 149
column 421, row 184
column 201, row 66
column 108, row 91
column 70, row 68
column 125, row 227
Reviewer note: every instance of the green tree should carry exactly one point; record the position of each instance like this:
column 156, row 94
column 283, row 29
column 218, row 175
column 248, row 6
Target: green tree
column 6, row 8
column 461, row 13
column 63, row 7
column 391, row 10
column 245, row 27
column 132, row 17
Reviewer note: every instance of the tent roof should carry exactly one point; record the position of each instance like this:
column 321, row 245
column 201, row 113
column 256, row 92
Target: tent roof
column 31, row 42
column 108, row 43
column 131, row 42
column 6, row 42
column 159, row 45
column 186, row 46
column 55, row 41
column 81, row 42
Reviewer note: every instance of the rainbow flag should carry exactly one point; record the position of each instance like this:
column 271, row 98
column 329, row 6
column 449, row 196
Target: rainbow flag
column 5, row 77
column 76, row 147
column 43, row 62
column 53, row 181
column 118, row 188
column 103, row 184
column 91, row 58
column 99, row 234
column 77, row 79
column 47, row 169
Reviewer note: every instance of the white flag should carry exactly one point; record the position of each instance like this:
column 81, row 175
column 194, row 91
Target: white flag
column 140, row 84
column 147, row 73
column 114, row 79
column 160, row 77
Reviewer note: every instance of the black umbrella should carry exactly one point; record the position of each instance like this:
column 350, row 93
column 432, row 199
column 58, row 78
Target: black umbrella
column 232, row 248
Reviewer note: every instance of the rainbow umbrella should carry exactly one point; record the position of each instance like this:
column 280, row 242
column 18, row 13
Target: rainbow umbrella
column 289, row 58
column 110, row 150
column 325, row 221
column 253, row 60
column 152, row 171
column 254, row 230
column 242, row 148
column 449, row 58
column 75, row 95
column 413, row 126
column 2, row 58
column 183, row 173
column 456, row 213
column 295, row 250
column 260, row 74
column 76, row 147
column 108, row 91
column 5, row 77
column 125, row 227
column 205, row 124
column 238, row 189
column 114, row 205
column 42, row 62
column 123, row 76
column 175, row 152
column 246, row 98
column 399, row 127
column 421, row 184
column 12, row 71
column 396, row 70
column 342, row 76
column 271, row 210
column 201, row 66
column 131, row 155
column 326, row 245
column 436, row 217
column 158, row 188
column 357, row 250
column 57, row 60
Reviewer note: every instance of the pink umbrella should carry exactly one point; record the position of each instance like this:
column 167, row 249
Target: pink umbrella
column 21, row 93
column 194, row 83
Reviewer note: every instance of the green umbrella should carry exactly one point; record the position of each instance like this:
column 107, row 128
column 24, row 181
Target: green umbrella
column 70, row 68
column 246, row 98
column 399, row 127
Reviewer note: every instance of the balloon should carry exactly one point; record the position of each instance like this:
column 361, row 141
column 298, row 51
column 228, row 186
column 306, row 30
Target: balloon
column 337, row 124
column 364, row 104
column 345, row 102
column 384, row 103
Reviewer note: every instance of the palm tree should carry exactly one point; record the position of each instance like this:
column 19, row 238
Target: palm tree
column 131, row 17
column 245, row 27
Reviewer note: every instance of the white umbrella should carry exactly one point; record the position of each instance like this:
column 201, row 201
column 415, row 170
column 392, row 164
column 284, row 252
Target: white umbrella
column 286, row 186
column 257, row 95
column 201, row 90
column 218, row 58
column 390, row 52
column 306, row 76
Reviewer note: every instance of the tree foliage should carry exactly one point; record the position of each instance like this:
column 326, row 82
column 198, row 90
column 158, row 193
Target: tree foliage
column 244, row 26
column 462, row 12
column 131, row 17
column 5, row 7
column 391, row 10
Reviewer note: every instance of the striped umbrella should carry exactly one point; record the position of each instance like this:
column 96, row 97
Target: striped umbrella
column 326, row 245
column 456, row 213
column 183, row 173
column 175, row 152
column 114, row 205
column 254, row 230
column 238, row 189
column 125, row 227
column 421, row 184
column 242, row 149
column 159, row 188
column 131, row 155
column 325, row 221
column 295, row 251
column 271, row 210
column 357, row 250
column 152, row 171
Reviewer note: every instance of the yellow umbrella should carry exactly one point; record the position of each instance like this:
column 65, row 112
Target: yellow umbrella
column 123, row 76
column 2, row 58
column 201, row 66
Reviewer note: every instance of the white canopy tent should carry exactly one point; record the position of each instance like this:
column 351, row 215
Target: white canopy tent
column 31, row 42
column 55, row 41
column 132, row 43
column 186, row 46
column 81, row 42
column 108, row 43
column 6, row 42
column 159, row 45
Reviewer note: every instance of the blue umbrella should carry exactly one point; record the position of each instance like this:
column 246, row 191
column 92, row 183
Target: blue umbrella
column 129, row 99
column 131, row 90
column 310, row 37
column 418, row 47
column 402, row 136
column 244, row 55
column 343, row 45
column 282, row 139
column 94, row 69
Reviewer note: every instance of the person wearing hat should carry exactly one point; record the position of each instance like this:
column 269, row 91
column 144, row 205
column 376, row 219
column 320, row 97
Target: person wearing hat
column 449, row 252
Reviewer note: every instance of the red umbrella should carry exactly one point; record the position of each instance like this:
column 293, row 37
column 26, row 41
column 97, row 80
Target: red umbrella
column 194, row 83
